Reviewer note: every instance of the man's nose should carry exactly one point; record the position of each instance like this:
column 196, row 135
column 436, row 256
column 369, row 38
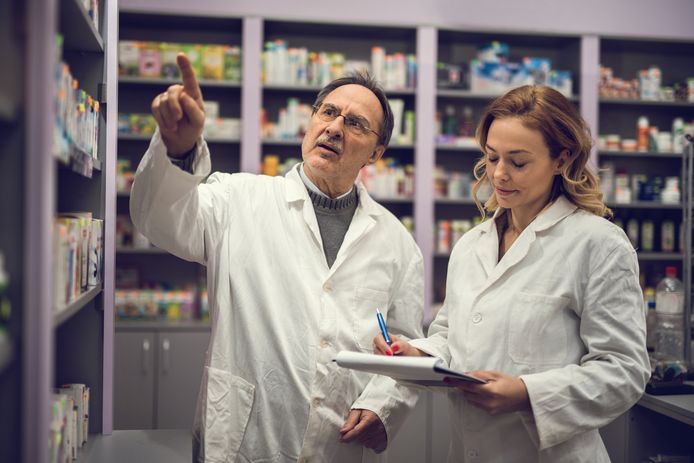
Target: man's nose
column 336, row 127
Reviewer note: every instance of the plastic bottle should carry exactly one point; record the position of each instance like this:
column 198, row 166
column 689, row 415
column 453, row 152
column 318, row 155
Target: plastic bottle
column 642, row 134
column 651, row 318
column 669, row 306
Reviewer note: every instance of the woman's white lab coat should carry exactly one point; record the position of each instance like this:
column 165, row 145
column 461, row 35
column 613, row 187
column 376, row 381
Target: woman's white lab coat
column 563, row 310
column 270, row 391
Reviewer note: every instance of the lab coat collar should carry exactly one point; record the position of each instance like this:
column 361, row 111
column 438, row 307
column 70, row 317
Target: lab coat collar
column 488, row 250
column 362, row 221
column 296, row 191
column 561, row 208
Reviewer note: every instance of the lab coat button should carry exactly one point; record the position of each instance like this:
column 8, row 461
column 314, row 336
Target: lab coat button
column 472, row 453
column 476, row 317
column 324, row 343
column 328, row 286
column 316, row 402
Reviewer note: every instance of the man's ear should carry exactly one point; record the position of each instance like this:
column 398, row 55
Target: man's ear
column 377, row 154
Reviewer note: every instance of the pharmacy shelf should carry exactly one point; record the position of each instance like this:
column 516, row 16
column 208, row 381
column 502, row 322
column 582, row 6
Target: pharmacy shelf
column 393, row 200
column 659, row 256
column 314, row 89
column 62, row 314
column 173, row 325
column 644, row 205
column 281, row 142
column 131, row 250
column 79, row 30
column 639, row 154
column 462, row 201
column 132, row 80
column 470, row 95
column 465, row 148
column 96, row 163
column 6, row 351
column 628, row 102
column 141, row 137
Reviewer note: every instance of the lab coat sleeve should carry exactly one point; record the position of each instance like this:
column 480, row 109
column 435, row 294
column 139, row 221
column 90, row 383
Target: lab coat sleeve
column 390, row 400
column 613, row 373
column 436, row 343
column 173, row 208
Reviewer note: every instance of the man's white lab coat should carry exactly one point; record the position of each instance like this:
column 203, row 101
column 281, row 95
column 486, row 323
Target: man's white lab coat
column 270, row 391
column 563, row 310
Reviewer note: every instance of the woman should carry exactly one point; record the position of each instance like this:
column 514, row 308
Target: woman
column 542, row 301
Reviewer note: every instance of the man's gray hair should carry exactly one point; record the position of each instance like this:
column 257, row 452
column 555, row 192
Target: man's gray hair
column 364, row 79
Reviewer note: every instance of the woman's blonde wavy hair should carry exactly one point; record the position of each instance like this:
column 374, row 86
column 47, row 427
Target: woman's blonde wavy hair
column 562, row 127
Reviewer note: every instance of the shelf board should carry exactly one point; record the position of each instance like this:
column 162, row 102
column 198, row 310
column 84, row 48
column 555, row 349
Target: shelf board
column 6, row 351
column 281, row 142
column 638, row 154
column 79, row 161
column 133, row 80
column 62, row 314
column 141, row 137
column 628, row 102
column 470, row 95
column 146, row 325
column 644, row 205
column 134, row 136
column 77, row 28
column 466, row 148
column 659, row 256
column 393, row 200
column 131, row 250
column 318, row 88
column 463, row 201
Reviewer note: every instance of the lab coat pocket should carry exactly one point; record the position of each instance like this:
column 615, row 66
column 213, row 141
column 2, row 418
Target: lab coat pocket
column 538, row 329
column 227, row 410
column 365, row 324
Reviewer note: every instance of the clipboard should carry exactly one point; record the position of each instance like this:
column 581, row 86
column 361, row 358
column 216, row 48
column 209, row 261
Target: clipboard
column 422, row 371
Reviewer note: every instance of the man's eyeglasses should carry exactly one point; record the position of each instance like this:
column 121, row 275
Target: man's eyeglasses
column 355, row 124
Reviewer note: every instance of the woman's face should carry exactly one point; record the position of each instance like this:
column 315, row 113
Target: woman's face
column 519, row 166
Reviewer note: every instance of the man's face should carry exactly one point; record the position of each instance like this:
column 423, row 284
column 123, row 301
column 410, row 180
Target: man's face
column 332, row 153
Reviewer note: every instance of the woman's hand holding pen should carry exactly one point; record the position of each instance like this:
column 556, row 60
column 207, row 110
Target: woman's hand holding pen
column 502, row 393
column 397, row 347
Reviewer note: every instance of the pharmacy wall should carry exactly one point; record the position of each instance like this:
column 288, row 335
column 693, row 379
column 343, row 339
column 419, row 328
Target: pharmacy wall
column 642, row 18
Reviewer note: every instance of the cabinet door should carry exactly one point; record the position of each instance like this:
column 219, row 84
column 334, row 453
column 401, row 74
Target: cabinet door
column 133, row 404
column 181, row 359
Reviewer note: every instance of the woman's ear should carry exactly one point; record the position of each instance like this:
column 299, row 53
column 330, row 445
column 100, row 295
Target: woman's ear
column 562, row 160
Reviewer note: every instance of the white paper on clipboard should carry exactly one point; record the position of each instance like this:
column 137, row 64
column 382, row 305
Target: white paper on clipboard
column 423, row 371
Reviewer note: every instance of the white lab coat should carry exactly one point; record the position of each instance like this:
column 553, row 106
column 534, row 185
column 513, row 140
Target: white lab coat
column 563, row 310
column 270, row 391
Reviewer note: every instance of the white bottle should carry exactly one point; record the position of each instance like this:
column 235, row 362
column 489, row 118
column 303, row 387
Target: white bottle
column 669, row 307
column 671, row 192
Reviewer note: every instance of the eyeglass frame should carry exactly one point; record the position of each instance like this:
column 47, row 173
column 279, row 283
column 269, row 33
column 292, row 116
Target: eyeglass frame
column 316, row 109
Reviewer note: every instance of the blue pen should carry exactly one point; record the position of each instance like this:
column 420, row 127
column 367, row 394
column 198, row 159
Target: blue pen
column 382, row 325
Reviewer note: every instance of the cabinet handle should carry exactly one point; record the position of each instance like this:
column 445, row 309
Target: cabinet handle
column 165, row 348
column 145, row 356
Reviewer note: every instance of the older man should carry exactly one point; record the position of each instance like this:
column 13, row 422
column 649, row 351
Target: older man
column 296, row 267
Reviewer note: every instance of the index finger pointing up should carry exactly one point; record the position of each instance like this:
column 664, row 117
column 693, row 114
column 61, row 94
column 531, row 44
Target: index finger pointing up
column 190, row 83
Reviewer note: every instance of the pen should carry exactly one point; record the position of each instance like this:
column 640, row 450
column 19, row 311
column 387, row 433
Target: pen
column 382, row 325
